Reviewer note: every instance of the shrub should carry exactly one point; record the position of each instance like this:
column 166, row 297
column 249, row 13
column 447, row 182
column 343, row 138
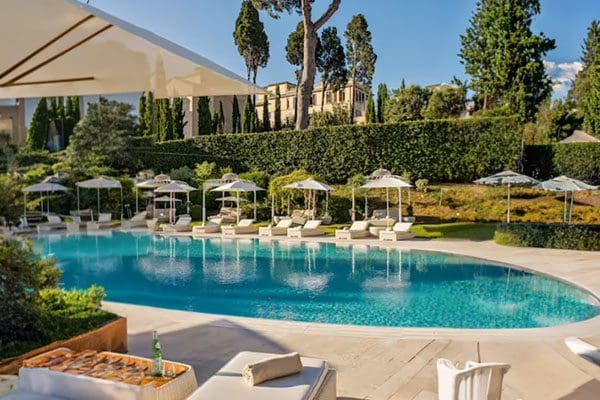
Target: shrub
column 421, row 185
column 577, row 160
column 556, row 236
column 442, row 150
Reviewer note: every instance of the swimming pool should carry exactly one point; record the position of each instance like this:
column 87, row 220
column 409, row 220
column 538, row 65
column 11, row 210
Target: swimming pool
column 314, row 282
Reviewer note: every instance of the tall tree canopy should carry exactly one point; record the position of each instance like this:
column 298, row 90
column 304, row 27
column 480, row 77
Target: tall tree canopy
column 360, row 56
column 590, row 104
column 266, row 121
column 505, row 58
column 38, row 127
column 205, row 125
column 555, row 121
column 331, row 62
column 178, row 118
column 590, row 56
column 251, row 40
column 406, row 104
column 446, row 102
column 165, row 121
column 248, row 117
column 370, row 115
column 236, row 117
column 311, row 27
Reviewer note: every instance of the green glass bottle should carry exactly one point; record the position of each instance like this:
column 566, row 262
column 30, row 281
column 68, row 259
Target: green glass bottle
column 157, row 354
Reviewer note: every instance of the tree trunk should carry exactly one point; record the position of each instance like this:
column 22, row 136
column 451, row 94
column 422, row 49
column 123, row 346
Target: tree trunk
column 323, row 96
column 308, row 74
column 352, row 101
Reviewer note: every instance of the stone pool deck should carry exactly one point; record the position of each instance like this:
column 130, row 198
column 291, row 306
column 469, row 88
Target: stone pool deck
column 397, row 363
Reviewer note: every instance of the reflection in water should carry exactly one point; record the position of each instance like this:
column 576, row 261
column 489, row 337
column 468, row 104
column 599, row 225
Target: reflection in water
column 314, row 282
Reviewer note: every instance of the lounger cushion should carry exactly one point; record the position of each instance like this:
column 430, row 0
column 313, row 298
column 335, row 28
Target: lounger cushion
column 246, row 222
column 228, row 382
column 54, row 219
column 313, row 224
column 402, row 227
column 285, row 223
column 360, row 226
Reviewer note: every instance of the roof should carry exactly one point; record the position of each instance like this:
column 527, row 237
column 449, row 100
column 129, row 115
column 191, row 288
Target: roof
column 580, row 137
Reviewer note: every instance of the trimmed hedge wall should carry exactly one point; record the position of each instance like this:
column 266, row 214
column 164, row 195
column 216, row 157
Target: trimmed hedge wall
column 555, row 236
column 577, row 160
column 442, row 150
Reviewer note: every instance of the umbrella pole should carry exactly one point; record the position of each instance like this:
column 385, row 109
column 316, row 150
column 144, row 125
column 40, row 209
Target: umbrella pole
column 203, row 204
column 508, row 208
column 399, row 205
column 353, row 206
column 98, row 193
column 272, row 208
column 565, row 209
column 366, row 207
column 42, row 202
column 237, row 216
column 326, row 202
column 254, row 191
column 387, row 203
column 78, row 210
column 137, row 210
column 188, row 202
column 122, row 204
column 571, row 210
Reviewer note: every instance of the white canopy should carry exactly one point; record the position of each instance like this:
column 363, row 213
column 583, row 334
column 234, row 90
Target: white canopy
column 565, row 184
column 45, row 187
column 238, row 186
column 63, row 47
column 383, row 179
column 387, row 182
column 309, row 184
column 175, row 187
column 100, row 183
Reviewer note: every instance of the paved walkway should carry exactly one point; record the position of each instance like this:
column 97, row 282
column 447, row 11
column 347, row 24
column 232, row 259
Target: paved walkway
column 397, row 363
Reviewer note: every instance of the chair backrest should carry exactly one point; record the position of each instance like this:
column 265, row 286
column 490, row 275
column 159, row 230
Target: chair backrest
column 478, row 381
column 140, row 216
column 54, row 219
column 285, row 223
column 297, row 214
column 402, row 226
column 184, row 220
column 246, row 222
column 104, row 217
column 313, row 224
column 360, row 226
column 379, row 214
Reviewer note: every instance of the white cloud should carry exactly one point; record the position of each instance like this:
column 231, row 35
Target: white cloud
column 562, row 75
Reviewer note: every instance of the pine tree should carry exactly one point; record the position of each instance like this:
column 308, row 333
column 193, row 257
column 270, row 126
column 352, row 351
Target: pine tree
column 141, row 113
column 581, row 89
column 38, row 127
column 266, row 121
column 277, row 116
column 236, row 118
column 205, row 126
column 382, row 98
column 248, row 117
column 591, row 103
column 370, row 116
column 178, row 118
column 165, row 121
column 331, row 62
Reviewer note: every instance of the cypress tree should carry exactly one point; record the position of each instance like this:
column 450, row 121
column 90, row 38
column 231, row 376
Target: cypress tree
column 248, row 116
column 236, row 120
column 38, row 128
column 382, row 97
column 178, row 118
column 165, row 121
column 204, row 118
column 221, row 118
column 142, row 113
column 277, row 116
column 149, row 115
column 266, row 122
column 216, row 120
column 591, row 102
column 60, row 120
column 370, row 116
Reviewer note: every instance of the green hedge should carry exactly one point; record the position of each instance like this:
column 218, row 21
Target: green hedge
column 577, row 160
column 556, row 236
column 443, row 150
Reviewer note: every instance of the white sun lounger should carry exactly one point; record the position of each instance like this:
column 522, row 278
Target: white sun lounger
column 400, row 231
column 243, row 227
column 317, row 381
column 137, row 221
column 212, row 226
column 311, row 228
column 183, row 224
column 477, row 381
column 54, row 222
column 583, row 349
column 359, row 229
column 281, row 229
column 104, row 221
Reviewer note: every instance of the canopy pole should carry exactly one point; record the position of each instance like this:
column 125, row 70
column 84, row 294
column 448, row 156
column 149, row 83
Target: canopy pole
column 78, row 210
column 48, row 202
column 137, row 210
column 288, row 205
column 237, row 216
column 42, row 202
column 203, row 204
column 272, row 208
column 353, row 213
column 571, row 210
column 508, row 208
column 98, row 193
column 366, row 207
column 326, row 202
column 565, row 209
column 188, row 202
column 122, row 204
column 254, row 192
column 400, row 204
column 387, row 203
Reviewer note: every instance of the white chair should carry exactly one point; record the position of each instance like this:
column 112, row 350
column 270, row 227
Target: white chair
column 281, row 229
column 243, row 227
column 104, row 221
column 54, row 222
column 359, row 229
column 311, row 228
column 400, row 231
column 478, row 381
column 183, row 224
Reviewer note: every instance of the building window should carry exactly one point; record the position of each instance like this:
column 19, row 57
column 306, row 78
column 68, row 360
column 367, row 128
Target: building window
column 313, row 100
column 328, row 98
column 287, row 104
column 342, row 96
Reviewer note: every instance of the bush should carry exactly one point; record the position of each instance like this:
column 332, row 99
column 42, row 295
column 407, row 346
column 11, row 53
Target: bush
column 577, row 160
column 443, row 150
column 556, row 236
column 422, row 185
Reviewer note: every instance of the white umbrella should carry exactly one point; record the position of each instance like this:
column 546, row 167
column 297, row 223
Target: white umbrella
column 150, row 184
column 237, row 187
column 47, row 186
column 213, row 183
column 100, row 183
column 508, row 178
column 565, row 184
column 76, row 49
column 312, row 186
column 176, row 187
column 383, row 179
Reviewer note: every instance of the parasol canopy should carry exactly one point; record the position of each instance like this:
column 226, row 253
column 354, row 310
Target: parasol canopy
column 309, row 184
column 76, row 49
column 172, row 188
column 237, row 187
column 565, row 184
column 383, row 179
column 46, row 186
column 100, row 183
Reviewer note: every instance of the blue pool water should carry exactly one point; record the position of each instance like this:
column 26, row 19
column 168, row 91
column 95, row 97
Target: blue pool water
column 314, row 282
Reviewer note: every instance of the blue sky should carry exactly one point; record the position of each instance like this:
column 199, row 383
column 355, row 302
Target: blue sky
column 415, row 39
